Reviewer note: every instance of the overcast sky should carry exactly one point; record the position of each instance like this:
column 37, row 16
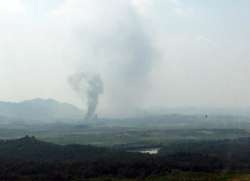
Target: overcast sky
column 149, row 53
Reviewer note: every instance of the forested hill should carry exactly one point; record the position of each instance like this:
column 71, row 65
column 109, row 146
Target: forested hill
column 31, row 149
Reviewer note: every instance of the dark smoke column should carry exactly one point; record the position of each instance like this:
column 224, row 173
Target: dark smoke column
column 90, row 86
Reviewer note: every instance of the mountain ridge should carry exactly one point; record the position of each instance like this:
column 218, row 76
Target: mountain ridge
column 39, row 110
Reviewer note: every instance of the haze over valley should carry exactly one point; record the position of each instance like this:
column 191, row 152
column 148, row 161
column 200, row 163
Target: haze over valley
column 124, row 90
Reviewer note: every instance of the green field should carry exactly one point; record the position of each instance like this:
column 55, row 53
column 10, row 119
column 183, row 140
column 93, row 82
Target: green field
column 111, row 136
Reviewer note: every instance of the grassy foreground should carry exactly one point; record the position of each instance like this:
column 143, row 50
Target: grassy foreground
column 186, row 176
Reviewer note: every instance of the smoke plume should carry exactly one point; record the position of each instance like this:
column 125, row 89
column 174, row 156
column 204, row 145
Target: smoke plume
column 88, row 86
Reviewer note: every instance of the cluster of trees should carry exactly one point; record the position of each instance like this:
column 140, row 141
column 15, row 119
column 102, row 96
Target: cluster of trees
column 223, row 154
column 30, row 159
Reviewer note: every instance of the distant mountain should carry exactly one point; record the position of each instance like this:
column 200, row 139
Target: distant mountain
column 45, row 110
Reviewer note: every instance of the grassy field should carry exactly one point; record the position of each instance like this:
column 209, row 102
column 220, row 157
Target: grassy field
column 116, row 136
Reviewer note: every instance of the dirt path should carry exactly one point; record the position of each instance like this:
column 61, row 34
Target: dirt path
column 241, row 178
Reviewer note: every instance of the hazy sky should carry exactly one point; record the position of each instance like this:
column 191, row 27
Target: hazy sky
column 149, row 53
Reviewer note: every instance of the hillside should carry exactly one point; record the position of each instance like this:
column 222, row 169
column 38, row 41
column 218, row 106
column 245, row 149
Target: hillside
column 184, row 155
column 31, row 149
column 30, row 159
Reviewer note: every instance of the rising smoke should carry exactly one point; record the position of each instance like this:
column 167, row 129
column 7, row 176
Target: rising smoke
column 121, row 49
column 87, row 86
